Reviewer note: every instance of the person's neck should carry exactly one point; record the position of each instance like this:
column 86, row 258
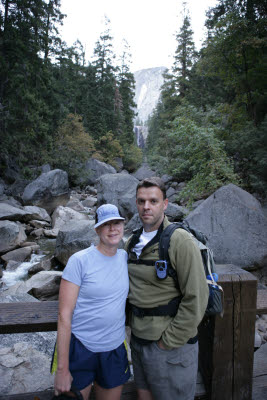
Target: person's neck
column 151, row 228
column 109, row 251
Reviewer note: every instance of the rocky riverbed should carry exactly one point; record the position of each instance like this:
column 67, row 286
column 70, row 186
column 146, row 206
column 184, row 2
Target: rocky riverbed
column 44, row 221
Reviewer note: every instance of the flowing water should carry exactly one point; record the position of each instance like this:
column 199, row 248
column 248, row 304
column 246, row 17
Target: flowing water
column 47, row 247
column 10, row 278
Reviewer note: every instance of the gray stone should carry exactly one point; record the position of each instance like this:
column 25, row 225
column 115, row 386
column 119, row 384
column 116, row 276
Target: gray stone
column 175, row 213
column 144, row 172
column 75, row 204
column 93, row 169
column 51, row 233
column 17, row 188
column 12, row 234
column 2, row 189
column 39, row 224
column 90, row 201
column 134, row 223
column 19, row 255
column 36, row 213
column 235, row 225
column 11, row 201
column 257, row 340
column 16, row 298
column 48, row 191
column 32, row 372
column 119, row 190
column 73, row 237
column 44, row 265
column 64, row 215
column 44, row 286
column 12, row 265
column 37, row 232
column 45, row 168
column 11, row 213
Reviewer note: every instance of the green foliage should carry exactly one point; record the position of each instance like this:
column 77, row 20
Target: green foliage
column 215, row 129
column 42, row 82
column 108, row 149
column 196, row 154
column 72, row 146
column 132, row 158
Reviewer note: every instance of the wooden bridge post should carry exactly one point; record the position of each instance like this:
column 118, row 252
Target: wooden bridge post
column 227, row 344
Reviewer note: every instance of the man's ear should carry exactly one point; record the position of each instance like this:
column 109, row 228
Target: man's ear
column 166, row 202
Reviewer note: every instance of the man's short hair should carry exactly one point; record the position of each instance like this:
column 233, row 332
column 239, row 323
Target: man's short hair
column 150, row 182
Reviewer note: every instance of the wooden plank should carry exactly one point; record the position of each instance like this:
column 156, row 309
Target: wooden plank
column 128, row 393
column 28, row 317
column 228, row 342
column 244, row 337
column 262, row 301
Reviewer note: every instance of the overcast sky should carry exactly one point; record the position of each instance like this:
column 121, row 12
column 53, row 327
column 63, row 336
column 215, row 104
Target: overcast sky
column 149, row 26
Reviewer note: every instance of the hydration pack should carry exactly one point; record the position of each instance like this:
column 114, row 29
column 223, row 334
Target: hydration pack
column 215, row 302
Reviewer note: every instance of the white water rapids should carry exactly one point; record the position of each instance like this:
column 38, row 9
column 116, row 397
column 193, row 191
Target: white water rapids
column 10, row 278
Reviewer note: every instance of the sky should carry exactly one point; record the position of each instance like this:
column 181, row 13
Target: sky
column 148, row 26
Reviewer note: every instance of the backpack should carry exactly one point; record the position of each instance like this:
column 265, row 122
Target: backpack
column 215, row 301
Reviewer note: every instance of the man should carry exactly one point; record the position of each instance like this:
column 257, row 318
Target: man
column 164, row 333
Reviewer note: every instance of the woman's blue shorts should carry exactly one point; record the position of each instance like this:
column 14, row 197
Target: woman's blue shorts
column 108, row 368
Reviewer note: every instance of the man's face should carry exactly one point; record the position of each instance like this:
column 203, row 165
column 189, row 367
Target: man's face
column 151, row 207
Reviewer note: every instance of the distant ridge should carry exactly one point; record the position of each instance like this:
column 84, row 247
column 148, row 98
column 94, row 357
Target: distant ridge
column 147, row 90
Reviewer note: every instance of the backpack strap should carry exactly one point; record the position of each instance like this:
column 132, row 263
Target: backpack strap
column 164, row 245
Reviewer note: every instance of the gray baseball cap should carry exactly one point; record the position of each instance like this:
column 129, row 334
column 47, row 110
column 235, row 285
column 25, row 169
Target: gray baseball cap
column 105, row 213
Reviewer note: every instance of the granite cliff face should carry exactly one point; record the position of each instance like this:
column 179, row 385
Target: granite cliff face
column 147, row 91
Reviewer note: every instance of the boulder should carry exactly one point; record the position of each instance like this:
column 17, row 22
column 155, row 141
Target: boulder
column 17, row 188
column 90, row 201
column 172, row 194
column 93, row 169
column 64, row 215
column 39, row 224
column 44, row 286
column 12, row 234
column 37, row 232
column 74, row 236
column 12, row 265
column 11, row 213
column 134, row 223
column 24, row 369
column 75, row 204
column 144, row 172
column 34, row 212
column 19, row 255
column 44, row 265
column 2, row 188
column 167, row 179
column 48, row 191
column 235, row 225
column 175, row 213
column 11, row 201
column 51, row 233
column 119, row 190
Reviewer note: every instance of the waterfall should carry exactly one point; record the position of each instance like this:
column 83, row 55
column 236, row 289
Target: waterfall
column 140, row 135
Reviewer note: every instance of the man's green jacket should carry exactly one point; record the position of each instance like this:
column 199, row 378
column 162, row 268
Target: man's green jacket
column 147, row 291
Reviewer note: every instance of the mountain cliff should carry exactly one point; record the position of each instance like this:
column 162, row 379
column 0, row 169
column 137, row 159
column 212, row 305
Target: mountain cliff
column 147, row 90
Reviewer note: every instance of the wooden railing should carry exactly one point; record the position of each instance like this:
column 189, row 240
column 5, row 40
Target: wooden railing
column 226, row 344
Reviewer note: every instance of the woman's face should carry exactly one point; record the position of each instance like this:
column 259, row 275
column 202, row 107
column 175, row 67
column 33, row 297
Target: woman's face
column 111, row 232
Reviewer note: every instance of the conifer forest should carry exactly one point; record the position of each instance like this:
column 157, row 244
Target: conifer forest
column 209, row 127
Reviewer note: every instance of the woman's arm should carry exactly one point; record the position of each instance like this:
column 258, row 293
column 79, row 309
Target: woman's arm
column 68, row 294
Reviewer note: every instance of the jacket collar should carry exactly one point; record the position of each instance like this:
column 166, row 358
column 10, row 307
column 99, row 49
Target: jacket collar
column 137, row 233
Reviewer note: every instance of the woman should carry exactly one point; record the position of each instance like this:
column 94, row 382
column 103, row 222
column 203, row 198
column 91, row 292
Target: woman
column 91, row 323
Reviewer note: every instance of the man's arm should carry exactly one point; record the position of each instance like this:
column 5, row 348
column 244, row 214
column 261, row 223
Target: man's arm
column 185, row 257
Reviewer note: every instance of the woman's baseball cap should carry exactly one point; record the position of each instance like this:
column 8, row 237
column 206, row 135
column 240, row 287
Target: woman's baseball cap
column 105, row 213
